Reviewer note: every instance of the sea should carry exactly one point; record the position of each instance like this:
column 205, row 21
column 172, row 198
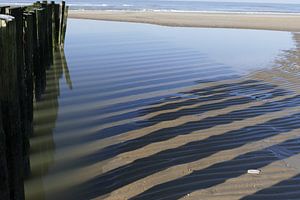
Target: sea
column 173, row 6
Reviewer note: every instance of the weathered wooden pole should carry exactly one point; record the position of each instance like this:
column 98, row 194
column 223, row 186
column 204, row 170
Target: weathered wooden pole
column 40, row 73
column 28, row 79
column 4, row 9
column 17, row 13
column 54, row 42
column 65, row 10
column 10, row 106
column 47, row 30
column 36, row 54
column 4, row 181
column 50, row 36
column 57, row 24
column 28, row 37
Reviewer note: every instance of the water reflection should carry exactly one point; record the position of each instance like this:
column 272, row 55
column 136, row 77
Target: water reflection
column 44, row 123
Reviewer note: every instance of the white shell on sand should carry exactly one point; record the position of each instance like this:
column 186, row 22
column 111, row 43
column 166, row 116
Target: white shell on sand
column 253, row 171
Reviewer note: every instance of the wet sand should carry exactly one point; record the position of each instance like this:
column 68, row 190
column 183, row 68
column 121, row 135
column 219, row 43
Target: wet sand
column 134, row 115
column 281, row 22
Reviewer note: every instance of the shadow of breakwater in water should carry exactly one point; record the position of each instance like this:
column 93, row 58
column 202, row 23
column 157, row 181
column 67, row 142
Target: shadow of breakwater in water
column 46, row 148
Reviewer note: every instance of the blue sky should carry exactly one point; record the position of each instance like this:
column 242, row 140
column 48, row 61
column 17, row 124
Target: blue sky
column 257, row 1
column 268, row 1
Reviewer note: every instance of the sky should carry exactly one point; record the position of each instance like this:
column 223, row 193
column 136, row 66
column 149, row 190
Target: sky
column 266, row 1
column 257, row 1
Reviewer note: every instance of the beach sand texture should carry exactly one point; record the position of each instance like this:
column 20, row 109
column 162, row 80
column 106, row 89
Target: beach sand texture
column 281, row 22
column 161, row 122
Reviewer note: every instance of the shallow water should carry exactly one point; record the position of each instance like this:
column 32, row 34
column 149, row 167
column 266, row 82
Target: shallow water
column 121, row 87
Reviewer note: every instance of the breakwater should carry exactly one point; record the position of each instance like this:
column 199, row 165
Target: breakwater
column 29, row 38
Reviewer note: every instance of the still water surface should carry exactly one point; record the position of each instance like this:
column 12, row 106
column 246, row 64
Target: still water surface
column 112, row 82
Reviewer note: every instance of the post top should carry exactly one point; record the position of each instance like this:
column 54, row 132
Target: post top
column 7, row 18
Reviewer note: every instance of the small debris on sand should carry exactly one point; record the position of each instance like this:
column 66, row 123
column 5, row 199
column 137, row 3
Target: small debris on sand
column 254, row 171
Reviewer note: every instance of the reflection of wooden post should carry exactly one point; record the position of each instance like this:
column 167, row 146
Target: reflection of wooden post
column 65, row 69
column 10, row 106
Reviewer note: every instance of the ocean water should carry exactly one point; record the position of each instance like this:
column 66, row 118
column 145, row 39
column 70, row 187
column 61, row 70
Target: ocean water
column 174, row 5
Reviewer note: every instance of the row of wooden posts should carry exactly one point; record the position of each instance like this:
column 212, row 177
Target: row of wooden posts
column 29, row 36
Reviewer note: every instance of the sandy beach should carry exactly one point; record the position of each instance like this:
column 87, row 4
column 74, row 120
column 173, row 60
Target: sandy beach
column 279, row 22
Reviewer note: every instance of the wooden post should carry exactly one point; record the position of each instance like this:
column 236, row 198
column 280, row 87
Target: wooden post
column 48, row 32
column 64, row 25
column 57, row 24
column 29, row 63
column 10, row 106
column 4, row 181
column 43, row 33
column 36, row 55
column 17, row 13
column 4, row 9
column 53, row 25
column 28, row 37
column 50, row 36
column 41, row 68
column 63, row 8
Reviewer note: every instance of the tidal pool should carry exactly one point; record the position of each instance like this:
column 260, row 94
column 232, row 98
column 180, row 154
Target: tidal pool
column 123, row 95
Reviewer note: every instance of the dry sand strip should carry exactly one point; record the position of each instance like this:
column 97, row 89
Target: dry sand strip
column 279, row 22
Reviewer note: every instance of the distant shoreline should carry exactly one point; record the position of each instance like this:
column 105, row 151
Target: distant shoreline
column 263, row 21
